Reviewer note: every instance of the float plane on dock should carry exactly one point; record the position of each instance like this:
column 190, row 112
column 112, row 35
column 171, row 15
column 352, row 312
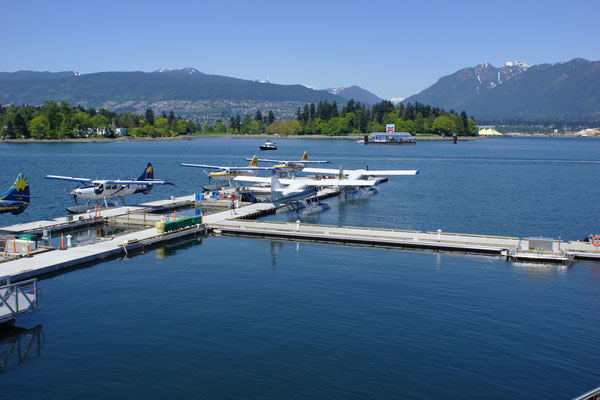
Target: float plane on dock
column 99, row 190
column 291, row 166
column 293, row 190
column 227, row 174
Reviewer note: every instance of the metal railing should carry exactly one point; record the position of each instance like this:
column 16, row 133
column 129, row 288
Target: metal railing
column 591, row 395
column 17, row 298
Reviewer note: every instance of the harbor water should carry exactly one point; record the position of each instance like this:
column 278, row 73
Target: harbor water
column 226, row 317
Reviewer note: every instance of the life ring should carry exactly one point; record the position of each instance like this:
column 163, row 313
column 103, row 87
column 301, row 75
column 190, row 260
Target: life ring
column 596, row 240
column 220, row 196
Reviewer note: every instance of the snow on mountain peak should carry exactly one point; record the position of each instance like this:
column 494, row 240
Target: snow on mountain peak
column 517, row 64
column 336, row 90
column 188, row 70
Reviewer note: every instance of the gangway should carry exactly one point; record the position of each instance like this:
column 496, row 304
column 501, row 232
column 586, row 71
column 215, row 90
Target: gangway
column 17, row 299
column 591, row 395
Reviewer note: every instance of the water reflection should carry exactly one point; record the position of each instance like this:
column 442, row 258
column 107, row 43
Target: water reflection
column 275, row 250
column 80, row 236
column 172, row 249
column 540, row 269
column 17, row 345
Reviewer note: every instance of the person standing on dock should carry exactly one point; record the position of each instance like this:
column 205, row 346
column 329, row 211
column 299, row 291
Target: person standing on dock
column 232, row 206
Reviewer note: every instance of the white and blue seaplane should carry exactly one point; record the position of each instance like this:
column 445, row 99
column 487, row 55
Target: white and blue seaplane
column 299, row 193
column 227, row 174
column 290, row 166
column 102, row 190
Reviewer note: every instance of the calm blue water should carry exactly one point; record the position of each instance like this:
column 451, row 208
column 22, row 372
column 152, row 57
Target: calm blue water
column 246, row 318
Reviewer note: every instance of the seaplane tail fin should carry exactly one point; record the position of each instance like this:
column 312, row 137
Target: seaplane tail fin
column 275, row 188
column 19, row 194
column 148, row 173
column 304, row 157
column 254, row 162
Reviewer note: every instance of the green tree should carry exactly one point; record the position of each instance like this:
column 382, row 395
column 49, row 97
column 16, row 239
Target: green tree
column 181, row 127
column 220, row 127
column 443, row 124
column 161, row 125
column 9, row 130
column 21, row 126
column 38, row 127
column 149, row 116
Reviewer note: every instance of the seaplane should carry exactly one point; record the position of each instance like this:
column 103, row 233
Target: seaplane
column 295, row 193
column 102, row 190
column 359, row 174
column 227, row 174
column 291, row 166
column 16, row 199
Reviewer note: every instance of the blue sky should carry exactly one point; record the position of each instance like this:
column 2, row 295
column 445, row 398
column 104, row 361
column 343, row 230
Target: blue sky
column 392, row 48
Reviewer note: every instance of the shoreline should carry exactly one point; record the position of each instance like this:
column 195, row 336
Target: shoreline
column 212, row 136
column 275, row 137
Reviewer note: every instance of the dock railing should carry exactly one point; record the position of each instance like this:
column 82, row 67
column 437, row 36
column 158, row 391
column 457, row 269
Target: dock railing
column 591, row 395
column 17, row 298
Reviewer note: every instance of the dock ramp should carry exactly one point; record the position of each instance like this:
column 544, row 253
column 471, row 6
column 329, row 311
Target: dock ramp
column 17, row 299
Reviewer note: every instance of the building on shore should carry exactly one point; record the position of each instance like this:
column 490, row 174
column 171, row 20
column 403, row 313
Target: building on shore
column 489, row 132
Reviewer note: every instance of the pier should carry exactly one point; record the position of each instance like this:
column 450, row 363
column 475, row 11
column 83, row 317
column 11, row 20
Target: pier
column 139, row 225
column 512, row 248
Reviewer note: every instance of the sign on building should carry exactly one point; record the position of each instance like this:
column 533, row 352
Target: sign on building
column 390, row 128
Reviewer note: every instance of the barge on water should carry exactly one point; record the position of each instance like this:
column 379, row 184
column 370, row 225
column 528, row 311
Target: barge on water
column 387, row 138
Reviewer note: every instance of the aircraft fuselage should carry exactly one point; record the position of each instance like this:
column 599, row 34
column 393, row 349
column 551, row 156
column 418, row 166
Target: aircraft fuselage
column 109, row 191
column 229, row 175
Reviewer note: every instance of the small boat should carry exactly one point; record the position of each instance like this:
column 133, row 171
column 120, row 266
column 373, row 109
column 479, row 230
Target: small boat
column 269, row 145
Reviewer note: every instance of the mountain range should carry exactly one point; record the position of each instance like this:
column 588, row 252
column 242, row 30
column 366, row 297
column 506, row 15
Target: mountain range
column 515, row 91
column 355, row 93
column 188, row 92
column 518, row 91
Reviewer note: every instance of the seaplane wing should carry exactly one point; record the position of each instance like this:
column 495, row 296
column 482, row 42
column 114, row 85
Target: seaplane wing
column 125, row 182
column 343, row 182
column 324, row 171
column 391, row 172
column 300, row 184
column 222, row 168
column 303, row 160
column 396, row 172
column 70, row 178
column 290, row 161
column 261, row 179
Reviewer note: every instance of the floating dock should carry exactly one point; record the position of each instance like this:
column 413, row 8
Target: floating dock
column 512, row 248
column 141, row 221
